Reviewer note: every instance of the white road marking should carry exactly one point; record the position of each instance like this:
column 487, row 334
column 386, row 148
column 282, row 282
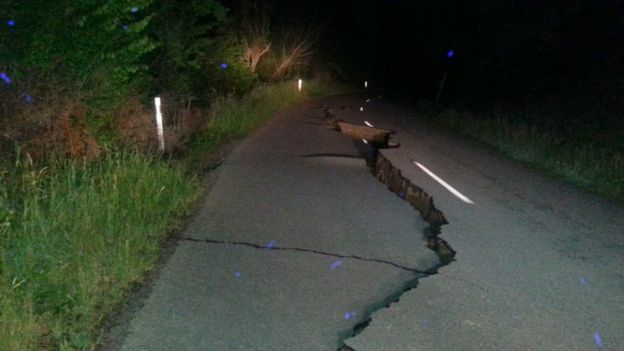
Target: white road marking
column 444, row 184
column 368, row 124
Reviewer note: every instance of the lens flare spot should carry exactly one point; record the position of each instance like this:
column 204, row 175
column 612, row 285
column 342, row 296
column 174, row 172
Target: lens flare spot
column 450, row 53
column 237, row 274
column 224, row 66
column 10, row 23
column 5, row 77
column 336, row 264
column 271, row 244
column 27, row 98
column 597, row 339
column 349, row 314
column 134, row 9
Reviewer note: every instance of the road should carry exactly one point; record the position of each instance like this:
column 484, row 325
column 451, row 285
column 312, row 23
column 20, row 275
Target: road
column 293, row 246
column 539, row 265
column 297, row 244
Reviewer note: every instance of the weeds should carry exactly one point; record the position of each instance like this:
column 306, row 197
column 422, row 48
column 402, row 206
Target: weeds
column 74, row 238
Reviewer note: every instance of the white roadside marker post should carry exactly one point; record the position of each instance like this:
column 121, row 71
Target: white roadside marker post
column 300, row 84
column 365, row 84
column 159, row 125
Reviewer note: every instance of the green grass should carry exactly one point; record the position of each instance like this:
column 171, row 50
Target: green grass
column 75, row 238
column 583, row 150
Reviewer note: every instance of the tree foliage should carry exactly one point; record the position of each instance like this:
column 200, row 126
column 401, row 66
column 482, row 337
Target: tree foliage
column 97, row 47
column 186, row 35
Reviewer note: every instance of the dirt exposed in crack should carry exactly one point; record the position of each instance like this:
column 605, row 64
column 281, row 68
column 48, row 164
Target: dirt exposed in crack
column 391, row 176
column 421, row 201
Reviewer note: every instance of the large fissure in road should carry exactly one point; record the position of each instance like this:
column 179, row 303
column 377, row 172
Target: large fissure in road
column 391, row 176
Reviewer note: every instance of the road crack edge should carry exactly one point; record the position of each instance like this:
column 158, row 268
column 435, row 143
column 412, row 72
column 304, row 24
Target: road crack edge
column 422, row 202
column 318, row 252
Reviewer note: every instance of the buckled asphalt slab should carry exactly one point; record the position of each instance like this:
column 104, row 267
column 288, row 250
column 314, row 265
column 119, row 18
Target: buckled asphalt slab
column 291, row 249
column 539, row 263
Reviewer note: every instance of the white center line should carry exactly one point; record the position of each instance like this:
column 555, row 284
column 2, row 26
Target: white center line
column 444, row 184
column 368, row 124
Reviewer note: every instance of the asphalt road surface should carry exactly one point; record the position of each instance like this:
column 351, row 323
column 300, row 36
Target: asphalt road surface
column 297, row 244
column 539, row 265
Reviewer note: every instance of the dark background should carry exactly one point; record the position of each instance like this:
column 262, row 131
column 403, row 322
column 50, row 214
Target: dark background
column 506, row 51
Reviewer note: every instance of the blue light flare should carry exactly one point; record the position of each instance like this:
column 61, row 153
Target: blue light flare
column 271, row 244
column 125, row 27
column 582, row 281
column 5, row 77
column 450, row 53
column 10, row 23
column 237, row 274
column 336, row 264
column 134, row 9
column 224, row 66
column 349, row 314
column 597, row 339
column 27, row 99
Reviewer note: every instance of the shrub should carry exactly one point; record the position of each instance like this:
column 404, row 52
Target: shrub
column 184, row 32
column 96, row 47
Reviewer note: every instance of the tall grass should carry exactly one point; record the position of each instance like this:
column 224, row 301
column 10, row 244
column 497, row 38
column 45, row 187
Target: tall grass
column 583, row 151
column 74, row 237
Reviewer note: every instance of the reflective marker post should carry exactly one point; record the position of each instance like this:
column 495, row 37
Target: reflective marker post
column 159, row 125
column 300, row 84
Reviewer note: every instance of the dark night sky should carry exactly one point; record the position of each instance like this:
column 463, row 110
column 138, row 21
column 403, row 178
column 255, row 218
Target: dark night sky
column 505, row 49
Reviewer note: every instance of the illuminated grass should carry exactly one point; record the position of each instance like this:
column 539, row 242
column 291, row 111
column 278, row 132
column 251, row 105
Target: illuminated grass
column 74, row 238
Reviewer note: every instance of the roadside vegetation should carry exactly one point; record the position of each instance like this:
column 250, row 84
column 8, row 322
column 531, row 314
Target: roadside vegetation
column 86, row 199
column 584, row 149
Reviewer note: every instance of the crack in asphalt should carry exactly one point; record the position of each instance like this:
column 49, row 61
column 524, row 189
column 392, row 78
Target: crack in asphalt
column 318, row 252
column 391, row 176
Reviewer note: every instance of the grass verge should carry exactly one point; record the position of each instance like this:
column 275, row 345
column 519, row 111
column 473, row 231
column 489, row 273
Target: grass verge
column 584, row 151
column 75, row 237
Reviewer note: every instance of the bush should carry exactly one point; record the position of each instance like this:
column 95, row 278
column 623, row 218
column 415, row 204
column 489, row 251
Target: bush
column 184, row 31
column 95, row 47
column 227, row 70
